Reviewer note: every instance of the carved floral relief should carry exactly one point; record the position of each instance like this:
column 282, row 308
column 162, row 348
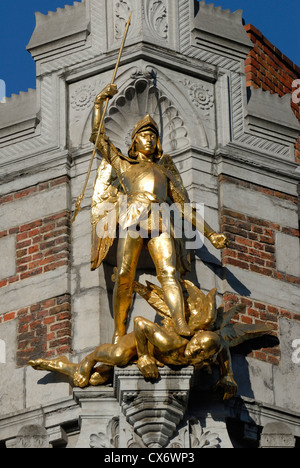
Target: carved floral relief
column 200, row 95
column 83, row 97
column 155, row 16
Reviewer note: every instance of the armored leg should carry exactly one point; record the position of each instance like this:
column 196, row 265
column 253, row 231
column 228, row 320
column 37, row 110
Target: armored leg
column 162, row 251
column 129, row 250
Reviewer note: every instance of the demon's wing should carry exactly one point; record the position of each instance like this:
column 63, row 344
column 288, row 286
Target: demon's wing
column 201, row 307
column 237, row 333
column 154, row 296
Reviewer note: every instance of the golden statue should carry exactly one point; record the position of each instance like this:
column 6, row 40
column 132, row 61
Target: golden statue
column 193, row 331
column 151, row 346
column 146, row 177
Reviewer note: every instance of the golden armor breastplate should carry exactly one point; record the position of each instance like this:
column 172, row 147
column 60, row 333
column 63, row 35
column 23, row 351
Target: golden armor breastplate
column 146, row 177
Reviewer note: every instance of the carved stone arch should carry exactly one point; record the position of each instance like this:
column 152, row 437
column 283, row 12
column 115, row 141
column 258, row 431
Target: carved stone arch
column 174, row 89
column 139, row 97
column 144, row 93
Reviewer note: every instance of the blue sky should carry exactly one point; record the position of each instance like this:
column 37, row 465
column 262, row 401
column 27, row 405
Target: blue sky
column 277, row 20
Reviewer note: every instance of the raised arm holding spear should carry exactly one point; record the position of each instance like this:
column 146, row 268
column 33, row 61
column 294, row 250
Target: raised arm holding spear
column 81, row 196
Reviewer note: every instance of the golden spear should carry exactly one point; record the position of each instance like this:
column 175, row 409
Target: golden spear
column 81, row 196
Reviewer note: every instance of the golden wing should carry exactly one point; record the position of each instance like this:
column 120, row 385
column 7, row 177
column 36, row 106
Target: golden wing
column 177, row 188
column 104, row 213
column 154, row 296
column 224, row 317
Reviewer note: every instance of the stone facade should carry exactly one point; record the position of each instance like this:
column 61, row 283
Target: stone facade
column 234, row 144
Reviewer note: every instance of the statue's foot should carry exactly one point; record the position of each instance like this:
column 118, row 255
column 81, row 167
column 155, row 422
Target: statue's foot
column 60, row 364
column 83, row 372
column 148, row 367
column 80, row 380
column 102, row 375
column 228, row 384
column 182, row 328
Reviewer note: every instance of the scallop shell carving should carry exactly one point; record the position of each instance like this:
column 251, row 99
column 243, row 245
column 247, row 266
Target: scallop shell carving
column 130, row 106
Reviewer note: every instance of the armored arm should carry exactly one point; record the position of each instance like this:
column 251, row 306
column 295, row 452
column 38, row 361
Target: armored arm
column 219, row 241
column 104, row 145
column 179, row 195
column 190, row 214
column 107, row 93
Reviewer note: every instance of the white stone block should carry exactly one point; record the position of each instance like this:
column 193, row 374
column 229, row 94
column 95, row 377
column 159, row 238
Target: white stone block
column 254, row 378
column 258, row 205
column 88, row 278
column 12, row 379
column 287, row 254
column 86, row 320
column 43, row 387
column 262, row 288
column 287, row 374
column 34, row 289
column 40, row 205
column 7, row 256
column 81, row 238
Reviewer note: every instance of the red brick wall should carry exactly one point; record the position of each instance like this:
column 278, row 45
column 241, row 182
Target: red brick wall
column 252, row 247
column 41, row 245
column 267, row 68
column 43, row 329
column 252, row 239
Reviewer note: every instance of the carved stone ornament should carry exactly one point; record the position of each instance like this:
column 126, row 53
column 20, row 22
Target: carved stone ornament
column 200, row 96
column 142, row 97
column 32, row 436
column 201, row 439
column 122, row 11
column 108, row 440
column 83, row 97
column 156, row 17
column 198, row 438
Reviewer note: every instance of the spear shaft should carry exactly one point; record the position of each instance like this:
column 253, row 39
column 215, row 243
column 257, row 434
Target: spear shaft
column 81, row 196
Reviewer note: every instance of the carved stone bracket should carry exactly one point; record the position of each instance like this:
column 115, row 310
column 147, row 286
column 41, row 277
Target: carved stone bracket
column 154, row 410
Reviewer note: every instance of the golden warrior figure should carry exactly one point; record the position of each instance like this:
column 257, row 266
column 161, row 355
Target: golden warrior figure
column 146, row 176
column 193, row 331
